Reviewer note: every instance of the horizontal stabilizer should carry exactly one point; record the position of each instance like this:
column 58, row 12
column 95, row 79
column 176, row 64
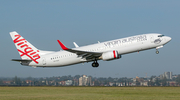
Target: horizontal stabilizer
column 21, row 60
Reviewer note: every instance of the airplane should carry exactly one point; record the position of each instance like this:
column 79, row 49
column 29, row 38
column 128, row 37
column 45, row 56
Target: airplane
column 106, row 51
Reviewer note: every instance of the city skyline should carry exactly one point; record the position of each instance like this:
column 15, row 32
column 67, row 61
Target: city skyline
column 165, row 79
column 167, row 74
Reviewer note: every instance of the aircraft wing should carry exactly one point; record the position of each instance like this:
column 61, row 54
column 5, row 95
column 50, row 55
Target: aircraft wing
column 84, row 54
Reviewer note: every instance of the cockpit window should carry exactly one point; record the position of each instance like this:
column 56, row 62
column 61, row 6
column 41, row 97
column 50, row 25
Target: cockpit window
column 160, row 35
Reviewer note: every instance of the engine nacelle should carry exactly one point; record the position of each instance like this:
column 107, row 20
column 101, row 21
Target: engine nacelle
column 111, row 55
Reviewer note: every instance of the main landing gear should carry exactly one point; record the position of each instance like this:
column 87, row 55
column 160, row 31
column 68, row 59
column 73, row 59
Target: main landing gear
column 95, row 63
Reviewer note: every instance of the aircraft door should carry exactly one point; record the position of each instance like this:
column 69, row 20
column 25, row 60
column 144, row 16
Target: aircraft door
column 44, row 61
column 152, row 39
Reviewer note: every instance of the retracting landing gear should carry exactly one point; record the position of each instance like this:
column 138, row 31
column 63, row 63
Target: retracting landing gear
column 95, row 63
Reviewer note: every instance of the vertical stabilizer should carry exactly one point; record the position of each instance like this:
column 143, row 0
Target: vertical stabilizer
column 25, row 49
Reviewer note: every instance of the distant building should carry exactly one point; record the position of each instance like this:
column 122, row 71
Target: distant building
column 84, row 81
column 139, row 82
column 161, row 76
column 89, row 81
column 80, row 81
column 28, row 81
column 144, row 83
column 75, row 82
column 171, row 75
column 122, row 84
column 174, row 76
column 118, row 84
column 132, row 84
column 68, row 82
column 154, row 79
column 172, row 83
column 7, row 82
column 167, row 75
column 47, row 83
column 52, row 82
column 111, row 83
column 62, row 83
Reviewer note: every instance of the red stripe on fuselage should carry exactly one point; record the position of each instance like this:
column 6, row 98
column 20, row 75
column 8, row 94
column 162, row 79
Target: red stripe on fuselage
column 114, row 52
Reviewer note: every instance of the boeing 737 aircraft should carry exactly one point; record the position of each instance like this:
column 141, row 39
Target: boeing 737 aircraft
column 110, row 50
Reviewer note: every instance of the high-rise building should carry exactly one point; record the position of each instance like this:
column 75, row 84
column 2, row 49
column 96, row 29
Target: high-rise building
column 83, row 81
column 168, row 75
column 89, row 82
column 80, row 81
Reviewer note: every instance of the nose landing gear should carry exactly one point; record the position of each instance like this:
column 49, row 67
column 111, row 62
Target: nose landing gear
column 95, row 63
column 157, row 52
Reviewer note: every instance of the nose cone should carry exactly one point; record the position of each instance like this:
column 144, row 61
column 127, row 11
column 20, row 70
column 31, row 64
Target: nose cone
column 168, row 39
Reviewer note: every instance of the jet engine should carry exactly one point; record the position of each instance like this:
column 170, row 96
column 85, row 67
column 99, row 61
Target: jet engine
column 111, row 55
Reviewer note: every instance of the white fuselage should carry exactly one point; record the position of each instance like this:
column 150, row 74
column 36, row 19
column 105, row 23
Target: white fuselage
column 122, row 46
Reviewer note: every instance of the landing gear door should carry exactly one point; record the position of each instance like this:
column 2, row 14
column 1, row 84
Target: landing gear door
column 152, row 39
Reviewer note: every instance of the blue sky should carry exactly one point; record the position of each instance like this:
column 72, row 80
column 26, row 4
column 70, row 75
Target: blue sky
column 42, row 22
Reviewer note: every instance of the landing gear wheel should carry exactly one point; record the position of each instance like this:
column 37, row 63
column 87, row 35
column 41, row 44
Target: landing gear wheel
column 157, row 52
column 95, row 63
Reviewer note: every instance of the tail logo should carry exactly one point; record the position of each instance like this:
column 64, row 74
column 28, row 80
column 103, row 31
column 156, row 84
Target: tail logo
column 27, row 50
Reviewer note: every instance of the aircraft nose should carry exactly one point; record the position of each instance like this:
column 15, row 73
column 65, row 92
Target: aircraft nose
column 168, row 38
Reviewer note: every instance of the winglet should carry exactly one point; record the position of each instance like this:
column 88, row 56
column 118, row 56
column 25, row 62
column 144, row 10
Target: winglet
column 62, row 45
